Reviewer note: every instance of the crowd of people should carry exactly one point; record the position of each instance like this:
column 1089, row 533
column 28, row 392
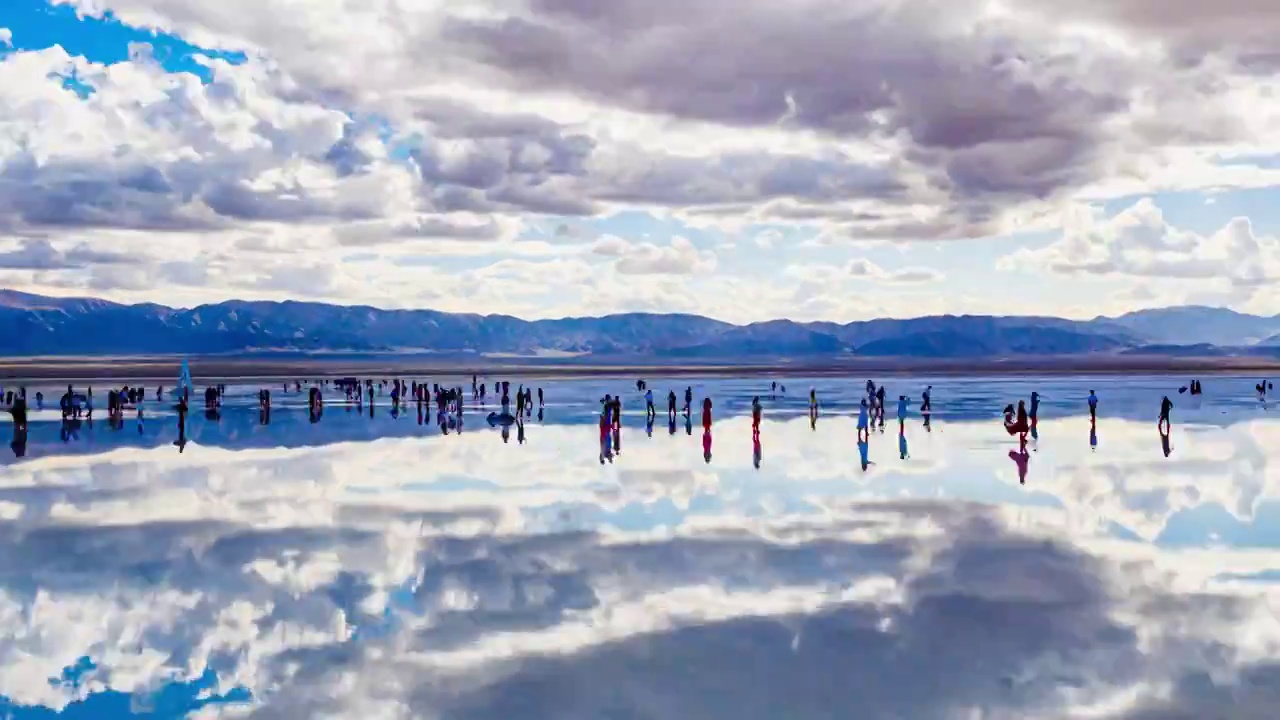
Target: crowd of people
column 1020, row 419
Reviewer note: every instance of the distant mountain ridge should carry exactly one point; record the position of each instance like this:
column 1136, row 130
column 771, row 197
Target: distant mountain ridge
column 37, row 325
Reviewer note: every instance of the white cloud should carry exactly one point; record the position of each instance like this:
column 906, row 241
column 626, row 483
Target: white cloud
column 678, row 258
column 6, row 37
column 1139, row 243
column 504, row 115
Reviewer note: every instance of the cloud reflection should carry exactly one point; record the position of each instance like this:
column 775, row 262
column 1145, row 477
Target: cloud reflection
column 458, row 576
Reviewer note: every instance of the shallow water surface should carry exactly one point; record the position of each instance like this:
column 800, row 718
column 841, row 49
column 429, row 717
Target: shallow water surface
column 368, row 563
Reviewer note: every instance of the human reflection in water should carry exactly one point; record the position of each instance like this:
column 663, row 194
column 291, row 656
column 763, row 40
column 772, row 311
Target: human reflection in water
column 928, row 425
column 540, row 409
column 755, row 451
column 70, row 430
column 688, row 425
column 648, row 424
column 606, row 449
column 617, row 439
column 706, row 444
column 1165, row 447
column 671, row 425
column 520, row 438
column 1093, row 436
column 902, row 444
column 315, row 412
column 264, row 416
column 1022, row 459
column 421, row 418
column 19, row 442
column 864, row 451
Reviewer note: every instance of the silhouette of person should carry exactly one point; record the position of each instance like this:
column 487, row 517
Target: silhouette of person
column 1166, row 408
column 863, row 419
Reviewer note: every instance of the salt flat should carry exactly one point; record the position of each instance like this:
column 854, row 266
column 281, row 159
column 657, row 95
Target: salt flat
column 371, row 563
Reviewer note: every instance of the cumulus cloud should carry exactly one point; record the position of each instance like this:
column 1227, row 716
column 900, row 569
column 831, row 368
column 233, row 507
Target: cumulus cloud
column 441, row 126
column 866, row 270
column 681, row 257
column 1140, row 243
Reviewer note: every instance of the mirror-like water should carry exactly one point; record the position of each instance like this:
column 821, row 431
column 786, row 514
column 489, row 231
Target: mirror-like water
column 370, row 563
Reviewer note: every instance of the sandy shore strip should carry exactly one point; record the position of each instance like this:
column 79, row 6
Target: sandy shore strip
column 225, row 368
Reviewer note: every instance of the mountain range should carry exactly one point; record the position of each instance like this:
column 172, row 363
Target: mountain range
column 47, row 326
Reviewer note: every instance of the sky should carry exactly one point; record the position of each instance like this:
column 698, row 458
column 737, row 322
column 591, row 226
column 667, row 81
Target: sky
column 814, row 160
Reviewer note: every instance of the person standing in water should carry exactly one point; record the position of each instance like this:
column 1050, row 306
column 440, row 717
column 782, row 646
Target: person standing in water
column 671, row 405
column 541, row 404
column 813, row 400
column 1166, row 407
column 756, row 412
column 880, row 405
column 650, row 412
column 706, row 413
column 1035, row 409
column 863, row 420
column 688, row 400
column 902, row 414
column 1093, row 406
column 926, row 402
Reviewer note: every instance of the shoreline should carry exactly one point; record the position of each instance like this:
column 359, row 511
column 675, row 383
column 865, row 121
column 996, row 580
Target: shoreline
column 139, row 368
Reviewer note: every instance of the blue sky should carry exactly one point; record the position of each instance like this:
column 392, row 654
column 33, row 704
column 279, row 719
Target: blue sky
column 457, row 178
